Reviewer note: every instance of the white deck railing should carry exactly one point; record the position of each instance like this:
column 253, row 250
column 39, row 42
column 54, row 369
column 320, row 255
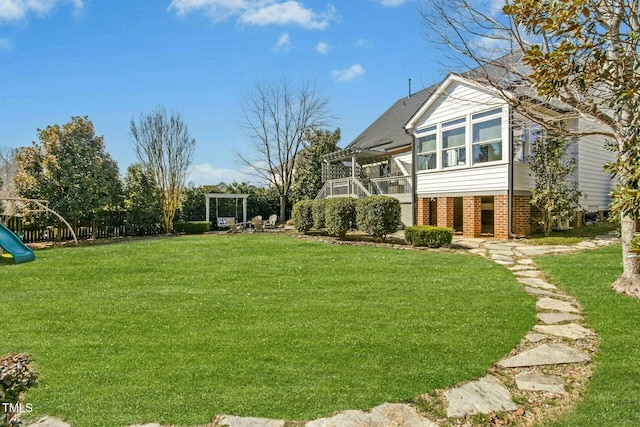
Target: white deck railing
column 352, row 187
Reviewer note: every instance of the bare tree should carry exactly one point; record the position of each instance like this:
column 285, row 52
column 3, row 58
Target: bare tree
column 578, row 57
column 8, row 171
column 276, row 117
column 165, row 148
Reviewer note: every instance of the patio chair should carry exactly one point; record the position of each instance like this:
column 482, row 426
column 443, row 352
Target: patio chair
column 257, row 223
column 233, row 227
column 271, row 222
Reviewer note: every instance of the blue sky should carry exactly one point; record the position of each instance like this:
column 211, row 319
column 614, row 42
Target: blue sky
column 113, row 60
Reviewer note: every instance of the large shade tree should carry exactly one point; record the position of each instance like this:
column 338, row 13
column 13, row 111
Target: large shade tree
column 276, row 118
column 141, row 201
column 165, row 148
column 583, row 54
column 308, row 173
column 69, row 167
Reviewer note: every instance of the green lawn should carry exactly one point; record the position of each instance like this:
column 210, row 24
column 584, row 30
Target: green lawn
column 178, row 330
column 614, row 395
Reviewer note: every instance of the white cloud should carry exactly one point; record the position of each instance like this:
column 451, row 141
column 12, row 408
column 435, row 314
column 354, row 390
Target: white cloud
column 284, row 43
column 323, row 48
column 206, row 174
column 350, row 73
column 13, row 10
column 258, row 12
column 364, row 43
column 391, row 3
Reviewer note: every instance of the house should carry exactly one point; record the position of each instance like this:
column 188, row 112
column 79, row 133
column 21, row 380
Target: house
column 455, row 155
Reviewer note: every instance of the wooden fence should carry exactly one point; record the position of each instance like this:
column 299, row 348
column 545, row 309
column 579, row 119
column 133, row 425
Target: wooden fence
column 40, row 229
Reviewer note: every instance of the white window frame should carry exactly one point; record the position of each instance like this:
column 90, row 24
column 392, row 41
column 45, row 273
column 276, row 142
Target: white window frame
column 429, row 131
column 483, row 117
column 453, row 153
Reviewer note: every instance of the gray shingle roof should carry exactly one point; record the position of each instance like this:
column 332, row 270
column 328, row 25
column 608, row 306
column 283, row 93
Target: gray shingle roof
column 387, row 132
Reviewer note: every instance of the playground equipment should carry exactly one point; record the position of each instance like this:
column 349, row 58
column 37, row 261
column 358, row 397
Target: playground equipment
column 12, row 244
column 34, row 205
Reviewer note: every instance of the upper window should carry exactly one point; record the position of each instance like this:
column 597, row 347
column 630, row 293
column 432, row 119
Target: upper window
column 427, row 150
column 454, row 143
column 487, row 139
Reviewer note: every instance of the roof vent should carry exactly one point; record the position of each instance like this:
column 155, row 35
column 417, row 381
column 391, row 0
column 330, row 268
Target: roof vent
column 409, row 88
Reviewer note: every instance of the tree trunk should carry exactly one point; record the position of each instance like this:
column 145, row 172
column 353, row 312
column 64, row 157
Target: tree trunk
column 284, row 199
column 629, row 282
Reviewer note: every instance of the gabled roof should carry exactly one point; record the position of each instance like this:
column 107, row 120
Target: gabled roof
column 387, row 132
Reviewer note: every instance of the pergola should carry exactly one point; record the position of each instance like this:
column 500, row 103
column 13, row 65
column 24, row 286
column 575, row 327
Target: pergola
column 217, row 196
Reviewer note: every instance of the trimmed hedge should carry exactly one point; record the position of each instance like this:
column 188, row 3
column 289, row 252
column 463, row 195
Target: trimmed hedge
column 378, row 216
column 319, row 207
column 302, row 215
column 192, row 227
column 340, row 216
column 427, row 235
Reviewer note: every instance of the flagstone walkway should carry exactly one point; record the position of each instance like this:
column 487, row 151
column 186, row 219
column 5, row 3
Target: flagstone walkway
column 550, row 362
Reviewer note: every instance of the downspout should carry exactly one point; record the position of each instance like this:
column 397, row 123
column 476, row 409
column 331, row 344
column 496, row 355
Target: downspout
column 510, row 191
column 414, row 179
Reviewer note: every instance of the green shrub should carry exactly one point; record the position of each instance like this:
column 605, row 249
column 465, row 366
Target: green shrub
column 378, row 216
column 340, row 216
column 302, row 215
column 192, row 227
column 16, row 377
column 319, row 207
column 427, row 235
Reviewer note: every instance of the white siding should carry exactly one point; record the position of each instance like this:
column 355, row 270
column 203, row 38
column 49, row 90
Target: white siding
column 523, row 179
column 478, row 180
column 593, row 182
column 458, row 100
column 461, row 100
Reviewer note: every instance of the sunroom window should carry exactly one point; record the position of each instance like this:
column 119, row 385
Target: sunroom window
column 427, row 150
column 453, row 143
column 487, row 139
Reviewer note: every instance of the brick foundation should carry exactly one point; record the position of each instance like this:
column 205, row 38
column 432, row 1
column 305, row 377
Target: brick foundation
column 501, row 216
column 521, row 219
column 424, row 212
column 472, row 219
column 445, row 212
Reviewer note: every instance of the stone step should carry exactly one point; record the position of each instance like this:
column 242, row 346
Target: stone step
column 536, row 381
column 546, row 354
column 387, row 414
column 484, row 396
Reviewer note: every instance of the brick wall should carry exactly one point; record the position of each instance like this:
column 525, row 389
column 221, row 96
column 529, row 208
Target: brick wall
column 522, row 215
column 445, row 212
column 424, row 211
column 501, row 216
column 472, row 220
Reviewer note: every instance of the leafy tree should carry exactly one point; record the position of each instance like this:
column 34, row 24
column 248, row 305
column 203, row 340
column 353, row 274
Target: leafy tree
column 194, row 203
column 69, row 167
column 584, row 54
column 165, row 148
column 553, row 195
column 141, row 201
column 308, row 173
column 276, row 118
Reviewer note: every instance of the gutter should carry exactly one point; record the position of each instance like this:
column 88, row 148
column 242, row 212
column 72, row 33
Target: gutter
column 414, row 179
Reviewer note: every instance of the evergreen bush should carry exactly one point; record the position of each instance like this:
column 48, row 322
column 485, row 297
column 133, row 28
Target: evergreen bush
column 302, row 215
column 340, row 216
column 427, row 235
column 192, row 227
column 378, row 216
column 319, row 207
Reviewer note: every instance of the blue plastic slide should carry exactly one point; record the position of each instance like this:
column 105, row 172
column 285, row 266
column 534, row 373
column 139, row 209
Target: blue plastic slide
column 12, row 244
